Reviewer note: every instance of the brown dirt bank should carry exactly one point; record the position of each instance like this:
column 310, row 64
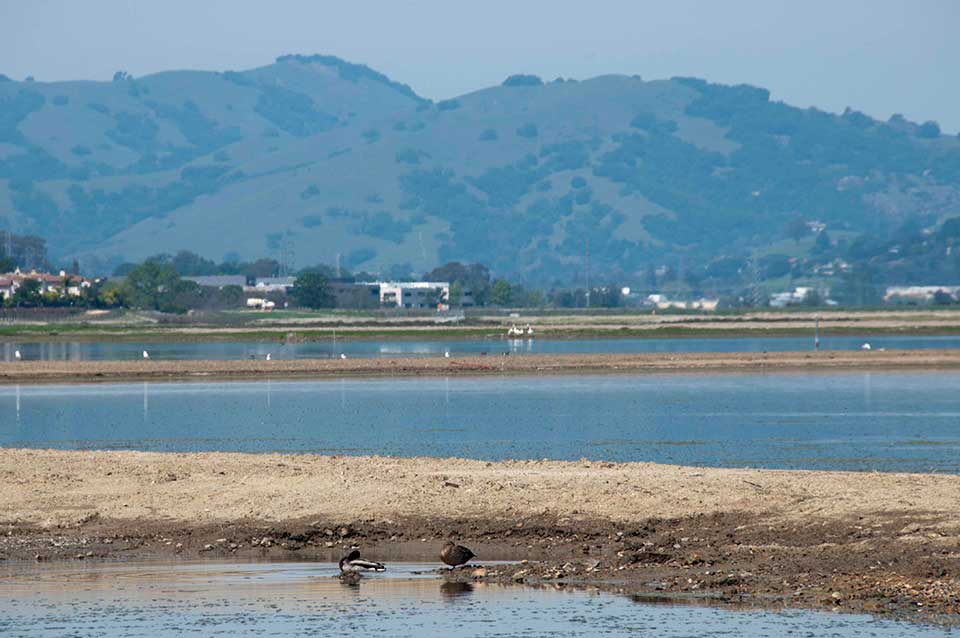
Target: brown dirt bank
column 495, row 363
column 854, row 541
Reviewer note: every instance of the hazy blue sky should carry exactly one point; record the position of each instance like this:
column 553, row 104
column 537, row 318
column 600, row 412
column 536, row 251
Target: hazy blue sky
column 879, row 56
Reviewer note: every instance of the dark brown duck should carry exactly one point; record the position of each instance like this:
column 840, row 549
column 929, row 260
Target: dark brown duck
column 455, row 555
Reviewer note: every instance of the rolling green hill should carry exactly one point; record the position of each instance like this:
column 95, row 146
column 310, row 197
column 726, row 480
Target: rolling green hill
column 313, row 157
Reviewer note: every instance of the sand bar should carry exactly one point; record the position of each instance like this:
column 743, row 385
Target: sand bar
column 853, row 541
column 494, row 363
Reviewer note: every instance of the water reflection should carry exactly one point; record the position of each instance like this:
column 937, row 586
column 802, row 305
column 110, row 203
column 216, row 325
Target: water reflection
column 160, row 599
column 456, row 590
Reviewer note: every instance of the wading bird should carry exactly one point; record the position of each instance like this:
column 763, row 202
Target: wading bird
column 17, row 355
column 146, row 355
column 343, row 356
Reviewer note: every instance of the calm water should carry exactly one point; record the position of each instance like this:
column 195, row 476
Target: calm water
column 853, row 421
column 155, row 599
column 80, row 351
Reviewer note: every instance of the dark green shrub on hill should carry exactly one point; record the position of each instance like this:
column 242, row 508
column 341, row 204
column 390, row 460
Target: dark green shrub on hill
column 448, row 105
column 356, row 257
column 504, row 185
column 528, row 130
column 409, row 155
column 650, row 122
column 566, row 156
column 929, row 130
column 352, row 72
column 522, row 80
column 35, row 164
column 292, row 112
column 199, row 130
column 311, row 221
column 381, row 225
column 13, row 110
column 135, row 131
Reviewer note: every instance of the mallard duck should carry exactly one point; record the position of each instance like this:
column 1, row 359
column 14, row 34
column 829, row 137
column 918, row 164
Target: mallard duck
column 455, row 555
column 352, row 563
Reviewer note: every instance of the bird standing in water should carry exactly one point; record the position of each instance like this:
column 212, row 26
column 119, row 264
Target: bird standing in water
column 352, row 563
column 146, row 355
column 455, row 555
column 17, row 355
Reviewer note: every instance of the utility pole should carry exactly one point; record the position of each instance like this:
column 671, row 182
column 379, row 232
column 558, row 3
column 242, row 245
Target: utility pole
column 587, row 269
column 755, row 291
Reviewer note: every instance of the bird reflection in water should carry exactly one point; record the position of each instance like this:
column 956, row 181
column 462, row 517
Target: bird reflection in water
column 456, row 590
column 350, row 580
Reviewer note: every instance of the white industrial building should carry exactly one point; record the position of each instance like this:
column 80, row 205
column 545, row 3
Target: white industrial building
column 413, row 294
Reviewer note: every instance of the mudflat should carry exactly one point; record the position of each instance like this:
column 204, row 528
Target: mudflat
column 853, row 541
column 496, row 362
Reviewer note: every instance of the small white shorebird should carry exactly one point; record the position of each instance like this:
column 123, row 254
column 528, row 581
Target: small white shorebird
column 146, row 355
column 17, row 355
column 268, row 356
column 353, row 563
column 343, row 356
column 865, row 346
column 446, row 353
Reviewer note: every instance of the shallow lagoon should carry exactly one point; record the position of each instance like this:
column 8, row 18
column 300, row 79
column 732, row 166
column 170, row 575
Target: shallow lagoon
column 886, row 421
column 183, row 599
column 111, row 351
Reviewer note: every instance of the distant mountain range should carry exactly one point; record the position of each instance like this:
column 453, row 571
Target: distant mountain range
column 313, row 159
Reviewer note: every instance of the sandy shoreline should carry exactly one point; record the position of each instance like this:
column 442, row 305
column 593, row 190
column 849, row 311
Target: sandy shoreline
column 855, row 541
column 94, row 371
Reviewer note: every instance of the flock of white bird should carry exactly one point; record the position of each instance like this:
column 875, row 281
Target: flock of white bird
column 446, row 353
column 146, row 355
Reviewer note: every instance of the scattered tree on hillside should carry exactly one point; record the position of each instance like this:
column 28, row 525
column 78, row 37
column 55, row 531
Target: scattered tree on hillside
column 822, row 244
column 929, row 130
column 521, row 79
column 797, row 229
